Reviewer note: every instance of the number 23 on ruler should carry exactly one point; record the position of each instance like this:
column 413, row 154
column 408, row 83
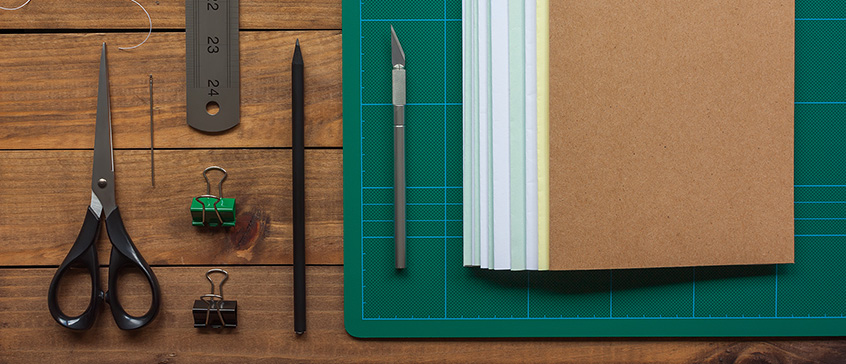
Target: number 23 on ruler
column 212, row 42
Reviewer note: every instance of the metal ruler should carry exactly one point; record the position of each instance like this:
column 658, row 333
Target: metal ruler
column 212, row 64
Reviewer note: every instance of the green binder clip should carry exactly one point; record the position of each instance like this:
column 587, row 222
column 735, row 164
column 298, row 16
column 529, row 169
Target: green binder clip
column 213, row 210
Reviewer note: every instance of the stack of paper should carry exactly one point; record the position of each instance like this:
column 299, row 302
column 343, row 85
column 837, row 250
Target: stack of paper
column 610, row 134
column 503, row 180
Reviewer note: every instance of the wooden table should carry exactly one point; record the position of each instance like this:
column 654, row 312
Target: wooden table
column 49, row 59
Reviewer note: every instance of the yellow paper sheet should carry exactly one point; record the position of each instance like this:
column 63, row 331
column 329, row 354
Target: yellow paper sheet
column 543, row 133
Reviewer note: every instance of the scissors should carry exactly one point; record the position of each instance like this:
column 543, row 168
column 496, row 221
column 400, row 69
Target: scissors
column 83, row 253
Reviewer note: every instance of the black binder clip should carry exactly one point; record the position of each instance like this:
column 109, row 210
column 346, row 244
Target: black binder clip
column 211, row 310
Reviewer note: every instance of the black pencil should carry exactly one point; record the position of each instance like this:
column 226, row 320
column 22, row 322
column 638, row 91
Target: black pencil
column 297, row 106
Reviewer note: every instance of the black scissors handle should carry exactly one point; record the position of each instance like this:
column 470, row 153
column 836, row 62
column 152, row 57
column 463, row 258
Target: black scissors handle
column 125, row 255
column 82, row 255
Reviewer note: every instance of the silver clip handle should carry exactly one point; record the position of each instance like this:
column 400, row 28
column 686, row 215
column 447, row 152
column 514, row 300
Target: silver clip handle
column 220, row 286
column 219, row 185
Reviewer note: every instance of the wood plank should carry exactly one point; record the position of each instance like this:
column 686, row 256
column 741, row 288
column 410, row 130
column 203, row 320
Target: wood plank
column 48, row 98
column 166, row 14
column 265, row 329
column 44, row 194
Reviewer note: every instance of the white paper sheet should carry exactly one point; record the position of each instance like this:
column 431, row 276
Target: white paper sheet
column 474, row 35
column 500, row 134
column 466, row 132
column 499, row 107
column 485, row 214
column 517, row 131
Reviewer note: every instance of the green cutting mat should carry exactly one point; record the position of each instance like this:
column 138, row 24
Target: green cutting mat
column 437, row 297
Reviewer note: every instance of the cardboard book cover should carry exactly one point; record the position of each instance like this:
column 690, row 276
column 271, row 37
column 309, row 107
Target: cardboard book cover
column 671, row 133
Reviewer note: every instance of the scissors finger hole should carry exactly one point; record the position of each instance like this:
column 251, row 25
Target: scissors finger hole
column 134, row 291
column 74, row 291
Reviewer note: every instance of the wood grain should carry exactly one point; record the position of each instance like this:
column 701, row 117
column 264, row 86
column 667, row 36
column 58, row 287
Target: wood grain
column 166, row 14
column 265, row 330
column 47, row 107
column 44, row 194
column 48, row 91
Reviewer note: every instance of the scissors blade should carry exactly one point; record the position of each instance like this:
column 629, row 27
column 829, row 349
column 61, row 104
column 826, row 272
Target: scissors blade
column 397, row 54
column 103, row 172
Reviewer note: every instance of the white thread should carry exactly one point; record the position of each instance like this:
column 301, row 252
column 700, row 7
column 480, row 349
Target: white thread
column 22, row 5
column 148, row 33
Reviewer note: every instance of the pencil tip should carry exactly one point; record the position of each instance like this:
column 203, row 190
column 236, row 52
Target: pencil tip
column 298, row 55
